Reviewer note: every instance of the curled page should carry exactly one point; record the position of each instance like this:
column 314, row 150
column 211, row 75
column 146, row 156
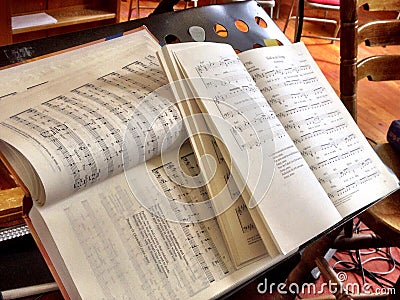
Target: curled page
column 95, row 122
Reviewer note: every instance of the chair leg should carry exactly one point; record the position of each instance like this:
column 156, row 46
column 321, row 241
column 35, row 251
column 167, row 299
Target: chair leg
column 299, row 18
column 336, row 33
column 133, row 8
column 289, row 16
column 299, row 22
column 278, row 7
column 129, row 10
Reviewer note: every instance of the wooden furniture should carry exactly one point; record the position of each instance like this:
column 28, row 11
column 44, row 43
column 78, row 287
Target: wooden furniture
column 384, row 217
column 378, row 33
column 161, row 7
column 324, row 5
column 172, row 25
column 11, row 196
column 134, row 5
column 71, row 15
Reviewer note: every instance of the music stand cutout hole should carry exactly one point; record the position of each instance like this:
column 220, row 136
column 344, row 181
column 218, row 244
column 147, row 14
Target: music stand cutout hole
column 260, row 22
column 257, row 45
column 172, row 39
column 241, row 25
column 197, row 33
column 220, row 30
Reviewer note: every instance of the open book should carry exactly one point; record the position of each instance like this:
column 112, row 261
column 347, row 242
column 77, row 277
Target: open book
column 138, row 195
column 273, row 108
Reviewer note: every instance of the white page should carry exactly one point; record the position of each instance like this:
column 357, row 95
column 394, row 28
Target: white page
column 31, row 20
column 75, row 132
column 311, row 209
column 114, row 248
column 94, row 59
column 319, row 124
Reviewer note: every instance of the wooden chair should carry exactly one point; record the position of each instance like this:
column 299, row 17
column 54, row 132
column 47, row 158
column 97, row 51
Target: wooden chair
column 135, row 5
column 324, row 5
column 384, row 217
column 376, row 33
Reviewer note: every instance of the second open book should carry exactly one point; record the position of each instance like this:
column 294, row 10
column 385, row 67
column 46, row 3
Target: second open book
column 303, row 162
column 277, row 153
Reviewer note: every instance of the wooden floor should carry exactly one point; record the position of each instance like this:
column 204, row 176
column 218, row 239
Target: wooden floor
column 379, row 103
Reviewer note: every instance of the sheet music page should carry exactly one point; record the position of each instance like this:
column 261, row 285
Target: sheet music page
column 117, row 248
column 246, row 137
column 95, row 121
column 320, row 126
column 237, row 225
column 45, row 71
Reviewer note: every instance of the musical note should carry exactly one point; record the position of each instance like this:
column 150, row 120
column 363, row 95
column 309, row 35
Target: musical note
column 342, row 156
column 245, row 221
column 340, row 195
column 239, row 102
column 331, row 147
column 314, row 121
column 346, row 173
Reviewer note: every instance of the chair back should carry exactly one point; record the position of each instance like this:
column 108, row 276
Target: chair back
column 373, row 33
